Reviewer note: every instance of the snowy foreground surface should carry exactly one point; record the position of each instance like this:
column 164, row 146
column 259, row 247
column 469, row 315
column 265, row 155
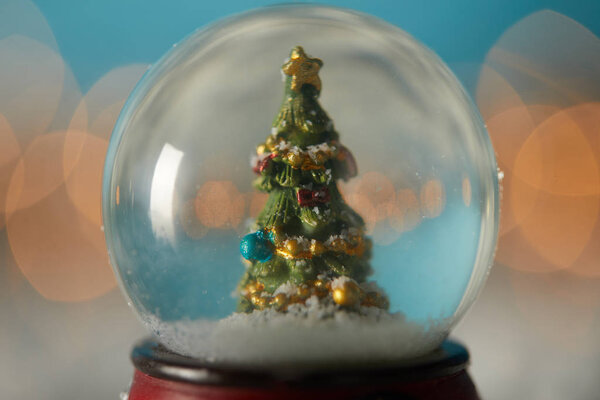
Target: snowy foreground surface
column 306, row 334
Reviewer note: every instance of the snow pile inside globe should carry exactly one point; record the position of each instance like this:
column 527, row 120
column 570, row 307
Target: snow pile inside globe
column 362, row 228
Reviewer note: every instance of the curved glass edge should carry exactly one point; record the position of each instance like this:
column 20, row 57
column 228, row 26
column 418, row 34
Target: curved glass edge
column 488, row 238
column 137, row 95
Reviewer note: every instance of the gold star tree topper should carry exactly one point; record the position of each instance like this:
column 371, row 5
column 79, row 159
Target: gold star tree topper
column 303, row 69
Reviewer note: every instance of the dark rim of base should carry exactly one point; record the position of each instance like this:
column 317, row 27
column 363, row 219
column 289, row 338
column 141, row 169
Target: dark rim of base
column 153, row 359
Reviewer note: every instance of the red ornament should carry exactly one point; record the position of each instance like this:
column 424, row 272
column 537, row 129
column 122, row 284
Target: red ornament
column 262, row 163
column 312, row 198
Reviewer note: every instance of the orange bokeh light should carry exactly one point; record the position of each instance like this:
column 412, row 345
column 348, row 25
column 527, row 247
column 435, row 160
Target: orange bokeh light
column 362, row 205
column 509, row 130
column 433, row 198
column 8, row 143
column 558, row 164
column 547, row 142
column 386, row 213
column 86, row 141
column 515, row 251
column 494, row 94
column 102, row 126
column 373, row 197
column 557, row 158
column 84, row 185
column 219, row 204
column 38, row 173
column 551, row 59
column 407, row 215
column 8, row 157
column 466, row 191
column 101, row 105
column 31, row 79
column 62, row 256
column 587, row 117
column 257, row 203
column 559, row 227
column 379, row 191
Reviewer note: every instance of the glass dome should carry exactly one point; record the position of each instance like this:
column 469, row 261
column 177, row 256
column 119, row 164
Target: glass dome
column 366, row 218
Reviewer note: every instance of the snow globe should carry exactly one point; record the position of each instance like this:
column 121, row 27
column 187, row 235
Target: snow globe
column 340, row 232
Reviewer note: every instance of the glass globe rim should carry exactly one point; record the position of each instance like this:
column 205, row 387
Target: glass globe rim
column 138, row 94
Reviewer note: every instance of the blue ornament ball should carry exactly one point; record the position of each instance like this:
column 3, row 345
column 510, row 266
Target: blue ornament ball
column 256, row 247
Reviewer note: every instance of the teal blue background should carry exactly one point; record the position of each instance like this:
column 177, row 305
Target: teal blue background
column 96, row 36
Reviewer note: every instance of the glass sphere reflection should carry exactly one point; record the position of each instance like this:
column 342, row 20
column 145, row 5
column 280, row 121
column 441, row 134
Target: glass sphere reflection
column 178, row 193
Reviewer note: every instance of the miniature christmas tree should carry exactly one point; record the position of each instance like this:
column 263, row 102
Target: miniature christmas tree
column 308, row 242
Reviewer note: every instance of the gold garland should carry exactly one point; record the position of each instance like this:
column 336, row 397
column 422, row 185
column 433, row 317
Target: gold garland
column 292, row 248
column 350, row 294
column 299, row 158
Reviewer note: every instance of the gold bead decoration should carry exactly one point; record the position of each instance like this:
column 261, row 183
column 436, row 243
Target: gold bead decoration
column 292, row 246
column 271, row 143
column 356, row 250
column 255, row 287
column 348, row 295
column 277, row 234
column 319, row 284
column 303, row 292
column 295, row 159
column 338, row 245
column 309, row 165
column 317, row 248
column 279, row 301
column 258, row 300
column 320, row 288
column 291, row 249
column 320, row 158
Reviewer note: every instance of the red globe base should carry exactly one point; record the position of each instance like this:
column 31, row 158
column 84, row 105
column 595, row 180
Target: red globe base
column 161, row 375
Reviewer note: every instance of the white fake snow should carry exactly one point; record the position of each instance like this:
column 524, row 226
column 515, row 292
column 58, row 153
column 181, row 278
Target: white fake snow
column 314, row 149
column 288, row 288
column 343, row 235
column 310, row 334
column 339, row 282
column 255, row 158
